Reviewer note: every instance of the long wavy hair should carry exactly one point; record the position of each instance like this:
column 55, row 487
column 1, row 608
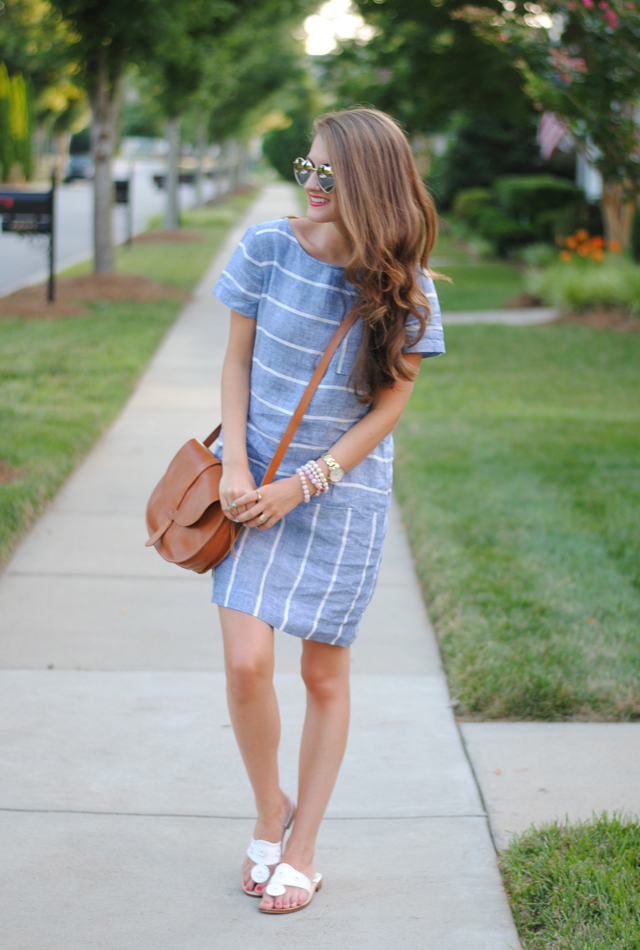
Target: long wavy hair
column 391, row 223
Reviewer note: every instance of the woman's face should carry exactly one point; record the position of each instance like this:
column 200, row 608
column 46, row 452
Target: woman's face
column 322, row 208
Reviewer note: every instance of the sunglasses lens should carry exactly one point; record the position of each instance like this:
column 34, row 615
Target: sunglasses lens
column 302, row 168
column 326, row 179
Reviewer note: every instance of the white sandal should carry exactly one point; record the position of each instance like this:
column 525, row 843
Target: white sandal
column 285, row 876
column 264, row 853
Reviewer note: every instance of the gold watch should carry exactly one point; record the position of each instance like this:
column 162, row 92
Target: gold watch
column 336, row 473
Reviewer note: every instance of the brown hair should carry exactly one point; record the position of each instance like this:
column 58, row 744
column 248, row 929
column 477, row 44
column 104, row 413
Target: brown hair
column 392, row 225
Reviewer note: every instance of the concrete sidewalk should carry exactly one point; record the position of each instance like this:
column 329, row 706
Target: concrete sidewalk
column 124, row 806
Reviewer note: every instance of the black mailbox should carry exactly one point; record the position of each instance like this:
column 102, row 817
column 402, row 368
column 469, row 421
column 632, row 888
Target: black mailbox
column 31, row 212
column 26, row 212
column 122, row 192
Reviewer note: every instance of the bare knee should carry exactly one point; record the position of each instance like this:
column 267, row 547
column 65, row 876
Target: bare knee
column 325, row 685
column 247, row 676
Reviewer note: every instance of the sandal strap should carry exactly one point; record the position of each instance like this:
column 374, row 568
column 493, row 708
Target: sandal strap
column 286, row 876
column 264, row 852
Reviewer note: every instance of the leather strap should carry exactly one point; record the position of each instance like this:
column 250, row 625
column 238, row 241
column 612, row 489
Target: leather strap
column 307, row 396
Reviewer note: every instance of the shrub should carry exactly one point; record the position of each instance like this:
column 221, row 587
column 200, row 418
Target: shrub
column 484, row 146
column 583, row 285
column 539, row 254
column 503, row 232
column 471, row 200
column 527, row 196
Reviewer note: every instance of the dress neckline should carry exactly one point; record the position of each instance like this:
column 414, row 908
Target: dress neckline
column 306, row 253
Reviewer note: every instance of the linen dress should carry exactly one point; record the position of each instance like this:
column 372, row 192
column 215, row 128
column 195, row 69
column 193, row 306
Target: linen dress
column 312, row 574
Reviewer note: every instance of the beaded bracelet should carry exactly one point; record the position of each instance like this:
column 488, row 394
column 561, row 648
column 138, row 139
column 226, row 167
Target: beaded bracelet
column 316, row 476
column 305, row 487
column 317, row 471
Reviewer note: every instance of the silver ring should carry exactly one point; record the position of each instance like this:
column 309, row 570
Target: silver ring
column 263, row 517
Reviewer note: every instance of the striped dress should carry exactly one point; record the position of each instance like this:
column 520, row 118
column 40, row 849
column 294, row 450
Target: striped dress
column 314, row 572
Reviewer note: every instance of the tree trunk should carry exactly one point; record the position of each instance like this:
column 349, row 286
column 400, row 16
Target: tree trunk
column 105, row 106
column 172, row 212
column 202, row 146
column 618, row 212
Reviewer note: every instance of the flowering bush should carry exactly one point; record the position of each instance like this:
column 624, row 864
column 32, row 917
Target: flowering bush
column 582, row 245
column 580, row 60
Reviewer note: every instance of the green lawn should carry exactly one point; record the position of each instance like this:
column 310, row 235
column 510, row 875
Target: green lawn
column 518, row 470
column 486, row 285
column 63, row 381
column 576, row 888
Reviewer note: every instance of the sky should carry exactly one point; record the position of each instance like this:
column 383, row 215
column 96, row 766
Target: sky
column 335, row 19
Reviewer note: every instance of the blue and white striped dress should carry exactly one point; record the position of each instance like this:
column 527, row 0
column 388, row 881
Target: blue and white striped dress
column 314, row 572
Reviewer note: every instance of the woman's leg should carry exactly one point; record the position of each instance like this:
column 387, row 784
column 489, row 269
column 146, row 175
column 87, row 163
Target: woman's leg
column 248, row 653
column 325, row 671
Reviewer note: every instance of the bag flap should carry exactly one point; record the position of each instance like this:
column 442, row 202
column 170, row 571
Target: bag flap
column 203, row 493
column 186, row 490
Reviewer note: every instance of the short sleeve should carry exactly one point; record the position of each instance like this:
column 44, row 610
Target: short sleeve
column 432, row 343
column 240, row 284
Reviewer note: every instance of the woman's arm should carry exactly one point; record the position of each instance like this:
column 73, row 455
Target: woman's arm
column 236, row 375
column 361, row 439
column 281, row 497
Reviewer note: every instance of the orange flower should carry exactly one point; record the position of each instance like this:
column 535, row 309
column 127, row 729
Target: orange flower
column 572, row 242
column 597, row 241
column 615, row 247
column 597, row 254
column 566, row 256
column 583, row 250
column 582, row 235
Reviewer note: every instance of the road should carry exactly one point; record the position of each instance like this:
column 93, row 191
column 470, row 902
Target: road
column 23, row 260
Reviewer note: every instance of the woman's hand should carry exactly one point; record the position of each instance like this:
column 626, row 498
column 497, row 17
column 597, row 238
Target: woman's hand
column 278, row 499
column 236, row 482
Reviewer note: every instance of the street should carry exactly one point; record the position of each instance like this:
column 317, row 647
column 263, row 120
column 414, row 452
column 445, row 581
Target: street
column 23, row 259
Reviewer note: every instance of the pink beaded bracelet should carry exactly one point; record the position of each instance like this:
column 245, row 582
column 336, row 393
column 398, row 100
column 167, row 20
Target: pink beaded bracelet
column 305, row 487
column 312, row 478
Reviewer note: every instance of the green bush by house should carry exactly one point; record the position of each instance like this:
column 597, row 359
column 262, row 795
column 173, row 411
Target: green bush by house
column 523, row 209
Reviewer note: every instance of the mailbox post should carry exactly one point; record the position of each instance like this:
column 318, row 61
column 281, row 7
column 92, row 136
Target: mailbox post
column 122, row 195
column 31, row 212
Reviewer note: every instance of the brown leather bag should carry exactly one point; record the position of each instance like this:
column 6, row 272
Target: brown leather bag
column 185, row 521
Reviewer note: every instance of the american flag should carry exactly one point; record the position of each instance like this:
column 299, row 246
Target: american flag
column 551, row 132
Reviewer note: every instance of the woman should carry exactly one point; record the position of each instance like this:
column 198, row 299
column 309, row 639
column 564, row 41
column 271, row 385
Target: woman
column 308, row 564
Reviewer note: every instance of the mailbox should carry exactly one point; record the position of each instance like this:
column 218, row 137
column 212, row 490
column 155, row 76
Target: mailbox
column 31, row 212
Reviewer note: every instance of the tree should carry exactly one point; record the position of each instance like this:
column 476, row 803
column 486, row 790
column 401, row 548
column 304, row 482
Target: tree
column 421, row 66
column 230, row 76
column 36, row 42
column 581, row 61
column 110, row 35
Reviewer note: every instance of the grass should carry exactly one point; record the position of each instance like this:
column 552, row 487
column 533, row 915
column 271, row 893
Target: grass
column 518, row 471
column 484, row 285
column 576, row 887
column 63, row 381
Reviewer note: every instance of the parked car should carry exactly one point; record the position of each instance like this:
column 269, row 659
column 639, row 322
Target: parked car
column 79, row 166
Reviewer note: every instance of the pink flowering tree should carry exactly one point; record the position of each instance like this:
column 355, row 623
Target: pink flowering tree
column 581, row 60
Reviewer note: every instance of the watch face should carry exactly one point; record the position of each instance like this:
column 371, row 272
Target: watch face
column 336, row 474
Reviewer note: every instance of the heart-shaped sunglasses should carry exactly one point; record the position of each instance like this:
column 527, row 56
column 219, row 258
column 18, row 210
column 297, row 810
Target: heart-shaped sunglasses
column 303, row 168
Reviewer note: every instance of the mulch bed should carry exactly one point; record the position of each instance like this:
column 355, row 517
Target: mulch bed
column 7, row 473
column 72, row 293
column 602, row 320
column 524, row 300
column 159, row 237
